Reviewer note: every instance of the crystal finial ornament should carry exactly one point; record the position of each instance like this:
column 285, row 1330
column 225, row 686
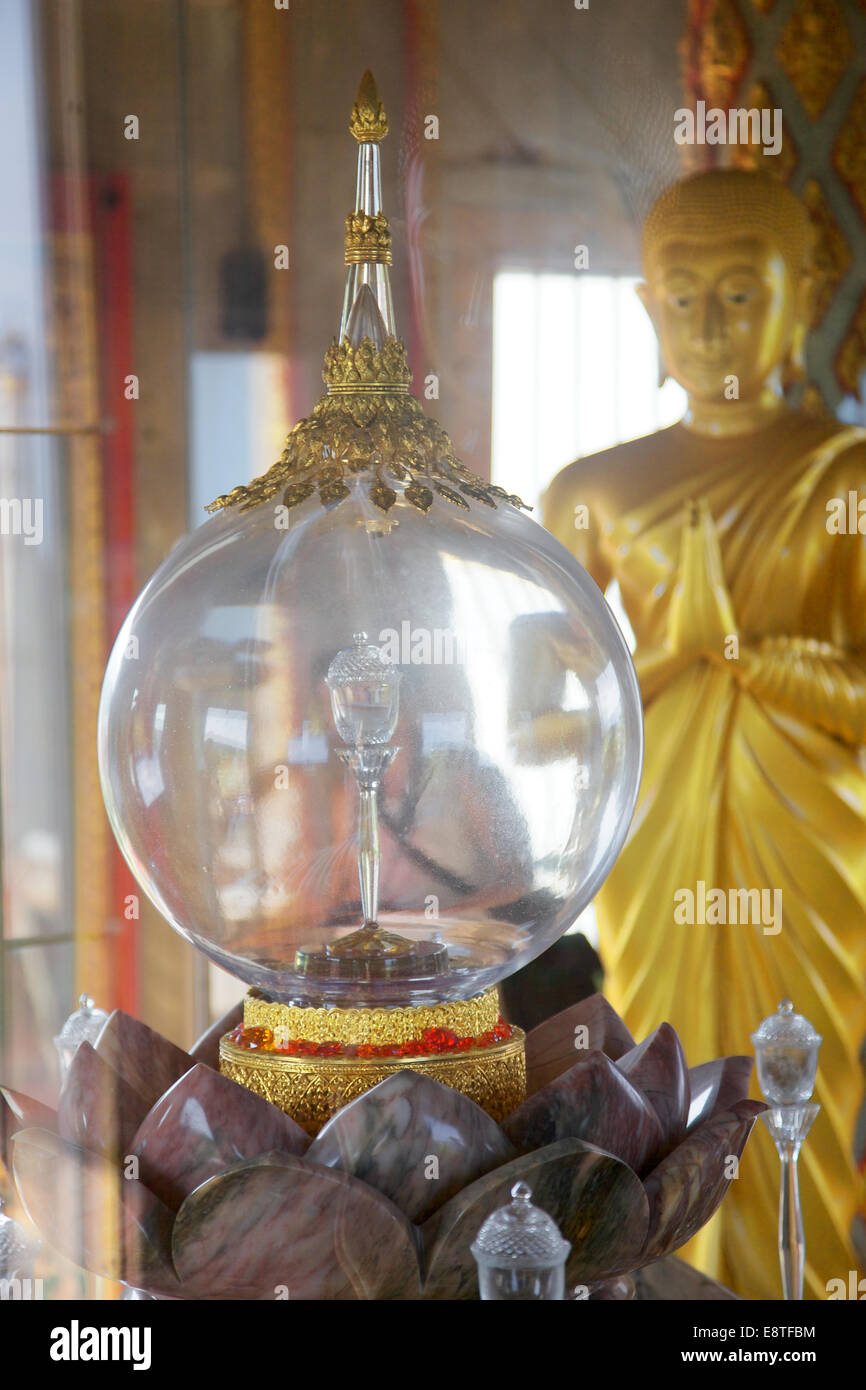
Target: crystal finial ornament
column 227, row 751
column 520, row 1252
column 18, row 1252
column 786, row 1047
column 84, row 1025
column 365, row 694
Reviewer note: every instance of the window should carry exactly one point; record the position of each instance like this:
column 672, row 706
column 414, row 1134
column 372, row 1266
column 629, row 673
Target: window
column 575, row 369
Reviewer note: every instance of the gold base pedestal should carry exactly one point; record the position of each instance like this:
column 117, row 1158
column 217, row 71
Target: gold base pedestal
column 312, row 1088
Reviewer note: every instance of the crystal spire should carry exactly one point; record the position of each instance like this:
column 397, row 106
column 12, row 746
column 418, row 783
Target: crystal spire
column 367, row 306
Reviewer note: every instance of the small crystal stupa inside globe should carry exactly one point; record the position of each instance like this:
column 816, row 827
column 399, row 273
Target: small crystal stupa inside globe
column 370, row 736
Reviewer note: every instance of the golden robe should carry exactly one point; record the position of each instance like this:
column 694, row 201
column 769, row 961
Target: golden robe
column 754, row 778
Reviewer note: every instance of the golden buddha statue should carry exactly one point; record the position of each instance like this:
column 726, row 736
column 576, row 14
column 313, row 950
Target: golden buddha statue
column 734, row 538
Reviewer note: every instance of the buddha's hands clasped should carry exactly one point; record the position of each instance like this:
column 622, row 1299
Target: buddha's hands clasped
column 701, row 621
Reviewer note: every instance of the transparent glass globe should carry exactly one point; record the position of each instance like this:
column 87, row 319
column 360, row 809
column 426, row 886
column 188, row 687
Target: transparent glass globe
column 518, row 738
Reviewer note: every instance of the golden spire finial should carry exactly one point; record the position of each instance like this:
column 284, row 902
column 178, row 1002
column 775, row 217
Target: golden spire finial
column 367, row 429
column 369, row 124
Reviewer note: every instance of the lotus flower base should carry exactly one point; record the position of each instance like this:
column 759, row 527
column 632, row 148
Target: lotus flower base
column 228, row 1198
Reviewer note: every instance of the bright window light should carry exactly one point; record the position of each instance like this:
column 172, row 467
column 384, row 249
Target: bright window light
column 575, row 369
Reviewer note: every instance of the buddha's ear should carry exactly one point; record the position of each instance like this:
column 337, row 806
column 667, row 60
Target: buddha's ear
column 794, row 366
column 646, row 297
column 649, row 302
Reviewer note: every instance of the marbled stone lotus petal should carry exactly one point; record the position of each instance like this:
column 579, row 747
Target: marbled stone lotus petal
column 553, row 1047
column 98, row 1110
column 671, row 1280
column 203, row 1125
column 146, row 1060
column 657, row 1067
column 18, row 1111
column 687, row 1186
column 282, row 1222
column 388, row 1136
column 207, row 1049
column 83, row 1206
column 597, row 1202
column 594, row 1102
column 716, row 1086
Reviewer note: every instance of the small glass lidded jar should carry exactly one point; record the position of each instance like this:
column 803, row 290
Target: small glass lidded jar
column 520, row 1252
column 786, row 1047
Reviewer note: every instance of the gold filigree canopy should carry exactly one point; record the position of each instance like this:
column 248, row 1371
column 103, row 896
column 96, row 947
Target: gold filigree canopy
column 367, row 424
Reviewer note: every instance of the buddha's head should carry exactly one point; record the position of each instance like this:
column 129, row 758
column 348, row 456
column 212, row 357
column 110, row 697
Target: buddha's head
column 727, row 284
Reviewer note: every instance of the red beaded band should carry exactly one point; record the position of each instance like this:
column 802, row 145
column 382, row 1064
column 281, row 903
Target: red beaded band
column 432, row 1041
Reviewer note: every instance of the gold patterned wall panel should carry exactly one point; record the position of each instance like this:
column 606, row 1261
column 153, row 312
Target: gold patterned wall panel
column 752, row 156
column 849, row 150
column 832, row 254
column 814, row 51
column 723, row 52
column 804, row 58
column 714, row 55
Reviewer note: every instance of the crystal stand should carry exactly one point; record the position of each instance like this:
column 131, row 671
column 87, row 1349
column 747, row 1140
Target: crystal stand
column 786, row 1049
column 364, row 699
column 789, row 1125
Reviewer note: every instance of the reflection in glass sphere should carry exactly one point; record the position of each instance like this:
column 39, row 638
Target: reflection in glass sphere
column 519, row 729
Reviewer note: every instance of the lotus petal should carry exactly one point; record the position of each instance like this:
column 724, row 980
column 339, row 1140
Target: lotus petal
column 597, row 1202
column 614, row 1290
column 147, row 1061
column 657, row 1067
column 594, row 1102
column 98, row 1110
column 390, row 1134
column 687, row 1186
column 203, row 1125
column 552, row 1047
column 18, row 1111
column 716, row 1086
column 85, row 1208
column 207, row 1049
column 672, row 1280
column 284, row 1225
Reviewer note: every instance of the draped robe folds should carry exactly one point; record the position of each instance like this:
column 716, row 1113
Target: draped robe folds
column 754, row 778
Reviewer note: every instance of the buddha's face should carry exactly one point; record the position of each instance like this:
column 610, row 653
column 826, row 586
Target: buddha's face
column 722, row 308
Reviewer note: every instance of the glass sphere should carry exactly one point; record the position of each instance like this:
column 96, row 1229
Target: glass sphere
column 518, row 734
